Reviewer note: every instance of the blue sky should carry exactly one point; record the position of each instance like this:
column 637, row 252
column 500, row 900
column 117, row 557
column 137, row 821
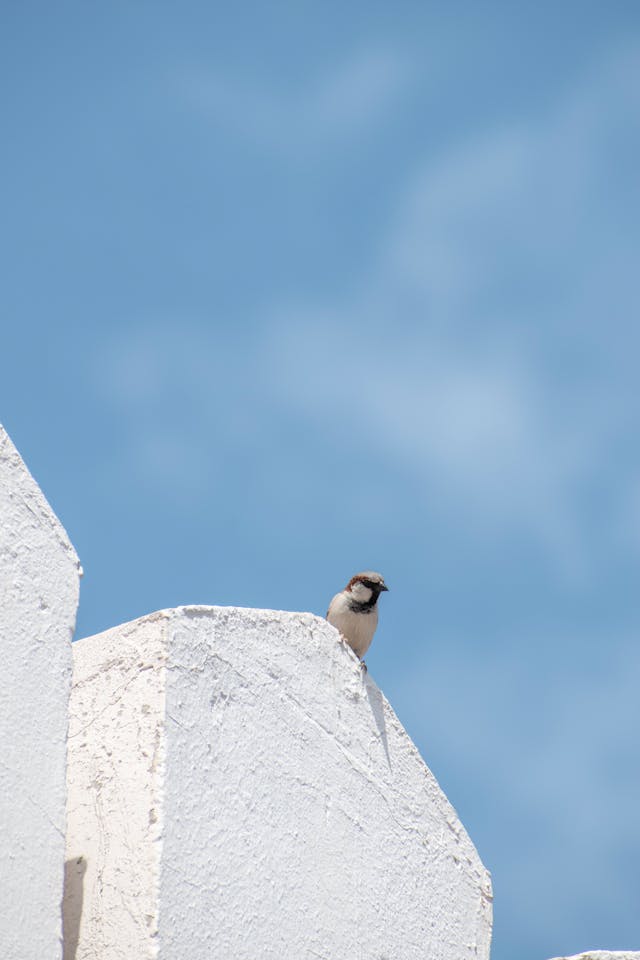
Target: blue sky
column 292, row 290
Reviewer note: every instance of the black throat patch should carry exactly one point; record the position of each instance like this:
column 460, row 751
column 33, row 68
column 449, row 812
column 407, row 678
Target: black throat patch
column 365, row 606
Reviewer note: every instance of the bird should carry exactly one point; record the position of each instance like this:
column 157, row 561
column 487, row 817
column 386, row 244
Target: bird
column 354, row 611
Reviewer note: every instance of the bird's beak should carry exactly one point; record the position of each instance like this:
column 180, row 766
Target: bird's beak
column 384, row 587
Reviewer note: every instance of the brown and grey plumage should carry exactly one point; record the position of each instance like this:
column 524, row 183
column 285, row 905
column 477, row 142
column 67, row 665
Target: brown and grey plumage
column 354, row 611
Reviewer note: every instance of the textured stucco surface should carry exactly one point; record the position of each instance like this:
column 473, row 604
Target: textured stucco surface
column 39, row 584
column 239, row 790
column 115, row 778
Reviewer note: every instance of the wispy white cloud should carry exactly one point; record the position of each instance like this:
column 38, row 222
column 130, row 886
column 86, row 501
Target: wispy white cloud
column 339, row 103
column 474, row 355
column 443, row 359
column 189, row 399
column 521, row 199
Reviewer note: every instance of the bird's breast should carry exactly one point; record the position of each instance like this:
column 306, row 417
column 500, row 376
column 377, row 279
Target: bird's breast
column 357, row 628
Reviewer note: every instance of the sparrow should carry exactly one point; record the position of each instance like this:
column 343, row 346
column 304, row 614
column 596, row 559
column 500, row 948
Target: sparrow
column 354, row 611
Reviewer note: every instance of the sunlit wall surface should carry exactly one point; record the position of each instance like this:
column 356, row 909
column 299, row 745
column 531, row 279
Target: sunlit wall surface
column 290, row 290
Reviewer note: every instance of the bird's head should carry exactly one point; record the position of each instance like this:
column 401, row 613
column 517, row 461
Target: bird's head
column 366, row 586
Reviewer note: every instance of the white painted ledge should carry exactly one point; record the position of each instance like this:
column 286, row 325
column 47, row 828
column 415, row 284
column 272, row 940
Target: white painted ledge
column 39, row 585
column 239, row 791
column 603, row 955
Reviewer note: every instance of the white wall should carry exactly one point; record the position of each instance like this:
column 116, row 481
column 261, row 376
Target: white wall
column 39, row 580
column 115, row 777
column 238, row 790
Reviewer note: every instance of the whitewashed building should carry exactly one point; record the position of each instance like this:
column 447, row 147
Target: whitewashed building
column 236, row 787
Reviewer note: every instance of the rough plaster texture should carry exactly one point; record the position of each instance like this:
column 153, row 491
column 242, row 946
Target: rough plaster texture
column 603, row 955
column 39, row 582
column 238, row 790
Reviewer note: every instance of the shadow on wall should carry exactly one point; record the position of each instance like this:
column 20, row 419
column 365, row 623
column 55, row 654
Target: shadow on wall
column 74, row 871
column 377, row 708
